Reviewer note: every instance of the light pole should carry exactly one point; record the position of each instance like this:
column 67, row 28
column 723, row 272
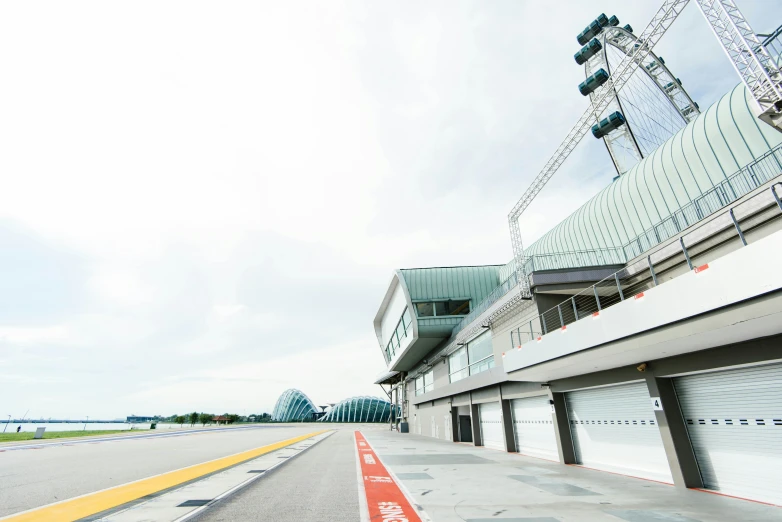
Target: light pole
column 85, row 424
column 6, row 424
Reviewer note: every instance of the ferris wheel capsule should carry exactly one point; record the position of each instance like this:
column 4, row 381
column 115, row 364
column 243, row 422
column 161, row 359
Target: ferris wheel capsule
column 588, row 51
column 649, row 108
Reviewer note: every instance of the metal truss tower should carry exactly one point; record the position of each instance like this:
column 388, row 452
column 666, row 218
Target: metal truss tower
column 750, row 59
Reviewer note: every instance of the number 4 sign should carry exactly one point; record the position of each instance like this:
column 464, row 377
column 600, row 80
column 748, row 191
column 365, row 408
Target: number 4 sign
column 657, row 404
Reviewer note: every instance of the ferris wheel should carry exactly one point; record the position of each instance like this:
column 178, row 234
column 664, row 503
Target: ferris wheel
column 652, row 106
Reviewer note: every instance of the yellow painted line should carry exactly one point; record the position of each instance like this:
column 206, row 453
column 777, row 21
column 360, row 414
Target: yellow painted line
column 91, row 503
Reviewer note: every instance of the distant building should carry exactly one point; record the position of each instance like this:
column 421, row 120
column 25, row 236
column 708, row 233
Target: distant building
column 137, row 418
column 295, row 406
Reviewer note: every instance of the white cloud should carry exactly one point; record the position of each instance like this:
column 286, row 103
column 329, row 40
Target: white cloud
column 203, row 204
column 19, row 335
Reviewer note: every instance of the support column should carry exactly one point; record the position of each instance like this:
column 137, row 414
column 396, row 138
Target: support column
column 567, row 455
column 673, row 431
column 475, row 421
column 454, row 424
column 507, row 426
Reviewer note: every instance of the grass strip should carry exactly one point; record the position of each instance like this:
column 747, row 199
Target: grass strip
column 28, row 435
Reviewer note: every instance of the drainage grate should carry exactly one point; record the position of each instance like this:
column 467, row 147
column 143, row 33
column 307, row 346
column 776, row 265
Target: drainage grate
column 257, row 471
column 195, row 503
column 283, row 457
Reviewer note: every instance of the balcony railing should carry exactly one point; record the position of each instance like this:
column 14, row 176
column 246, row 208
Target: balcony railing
column 579, row 259
column 747, row 179
column 622, row 285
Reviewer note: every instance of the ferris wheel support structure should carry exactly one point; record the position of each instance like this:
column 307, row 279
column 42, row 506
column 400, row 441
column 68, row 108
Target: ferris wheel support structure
column 754, row 65
column 632, row 141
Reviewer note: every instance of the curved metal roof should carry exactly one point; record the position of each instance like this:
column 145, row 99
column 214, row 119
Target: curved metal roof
column 293, row 406
column 359, row 409
column 696, row 160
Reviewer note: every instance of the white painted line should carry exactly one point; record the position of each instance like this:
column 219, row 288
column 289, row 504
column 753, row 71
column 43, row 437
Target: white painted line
column 421, row 513
column 165, row 507
column 363, row 507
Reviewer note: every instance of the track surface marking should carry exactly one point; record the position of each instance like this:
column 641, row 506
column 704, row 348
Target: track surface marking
column 385, row 498
column 86, row 505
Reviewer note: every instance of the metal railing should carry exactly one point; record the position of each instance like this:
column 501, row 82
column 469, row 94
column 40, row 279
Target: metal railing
column 576, row 259
column 771, row 42
column 742, row 182
column 747, row 179
column 623, row 285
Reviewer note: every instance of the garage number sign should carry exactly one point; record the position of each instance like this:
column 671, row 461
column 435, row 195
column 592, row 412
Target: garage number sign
column 657, row 404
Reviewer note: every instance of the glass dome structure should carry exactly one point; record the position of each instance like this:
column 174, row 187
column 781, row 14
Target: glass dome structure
column 294, row 406
column 360, row 409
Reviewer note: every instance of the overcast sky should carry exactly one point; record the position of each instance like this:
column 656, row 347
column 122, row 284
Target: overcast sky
column 202, row 202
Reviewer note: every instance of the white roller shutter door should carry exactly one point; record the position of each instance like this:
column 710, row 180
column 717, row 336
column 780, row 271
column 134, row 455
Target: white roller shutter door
column 614, row 429
column 491, row 425
column 533, row 427
column 734, row 419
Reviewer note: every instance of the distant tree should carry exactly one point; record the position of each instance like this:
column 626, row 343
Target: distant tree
column 232, row 418
column 179, row 419
column 205, row 418
column 193, row 418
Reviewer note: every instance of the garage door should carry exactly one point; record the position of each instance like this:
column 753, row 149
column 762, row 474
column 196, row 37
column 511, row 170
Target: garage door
column 491, row 425
column 614, row 429
column 533, row 427
column 734, row 419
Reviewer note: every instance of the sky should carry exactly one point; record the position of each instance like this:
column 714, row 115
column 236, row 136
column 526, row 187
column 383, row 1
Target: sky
column 202, row 203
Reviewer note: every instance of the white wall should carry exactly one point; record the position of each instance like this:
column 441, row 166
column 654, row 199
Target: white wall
column 440, row 412
column 741, row 275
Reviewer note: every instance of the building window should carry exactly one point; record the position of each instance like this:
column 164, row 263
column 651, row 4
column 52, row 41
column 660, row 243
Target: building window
column 425, row 309
column 443, row 308
column 404, row 328
column 474, row 358
column 480, row 354
column 424, row 383
column 449, row 308
column 419, row 385
column 429, row 381
column 457, row 365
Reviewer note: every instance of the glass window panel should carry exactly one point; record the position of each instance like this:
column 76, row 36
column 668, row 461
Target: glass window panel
column 441, row 308
column 458, row 376
column 480, row 348
column 406, row 318
column 458, row 307
column 419, row 385
column 457, row 364
column 452, row 308
column 482, row 366
column 429, row 378
column 400, row 331
column 424, row 309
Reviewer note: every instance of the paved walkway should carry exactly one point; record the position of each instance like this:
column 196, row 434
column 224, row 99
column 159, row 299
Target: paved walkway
column 459, row 482
column 321, row 479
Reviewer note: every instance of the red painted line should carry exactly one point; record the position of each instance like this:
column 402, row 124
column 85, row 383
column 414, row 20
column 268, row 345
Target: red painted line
column 385, row 499
column 712, row 492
